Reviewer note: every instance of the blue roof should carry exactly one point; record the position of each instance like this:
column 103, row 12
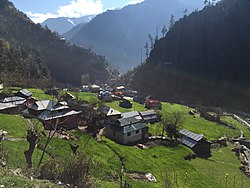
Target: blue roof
column 191, row 135
column 187, row 142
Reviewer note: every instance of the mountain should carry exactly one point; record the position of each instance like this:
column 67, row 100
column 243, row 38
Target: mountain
column 28, row 44
column 204, row 58
column 121, row 34
column 64, row 24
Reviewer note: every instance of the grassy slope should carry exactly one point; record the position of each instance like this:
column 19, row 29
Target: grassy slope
column 198, row 172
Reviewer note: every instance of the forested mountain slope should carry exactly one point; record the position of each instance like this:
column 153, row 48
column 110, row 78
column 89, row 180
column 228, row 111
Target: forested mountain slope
column 121, row 35
column 66, row 63
column 204, row 58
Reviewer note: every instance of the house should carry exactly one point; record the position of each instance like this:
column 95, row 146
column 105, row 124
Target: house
column 129, row 93
column 140, row 98
column 59, row 118
column 120, row 88
column 125, row 104
column 9, row 108
column 40, row 106
column 105, row 96
column 152, row 104
column 24, row 93
column 85, row 88
column 127, row 131
column 134, row 114
column 150, row 116
column 95, row 88
column 14, row 100
column 196, row 142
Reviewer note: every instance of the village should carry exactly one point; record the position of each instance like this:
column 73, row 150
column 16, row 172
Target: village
column 129, row 119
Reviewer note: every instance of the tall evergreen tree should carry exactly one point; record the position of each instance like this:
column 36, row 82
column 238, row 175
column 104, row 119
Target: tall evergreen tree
column 164, row 30
column 171, row 22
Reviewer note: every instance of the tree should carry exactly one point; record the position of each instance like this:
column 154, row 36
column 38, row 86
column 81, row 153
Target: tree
column 185, row 12
column 164, row 30
column 151, row 40
column 171, row 22
column 173, row 124
column 147, row 49
column 32, row 138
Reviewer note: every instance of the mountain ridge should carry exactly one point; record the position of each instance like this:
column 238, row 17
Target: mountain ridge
column 66, row 63
column 121, row 34
column 203, row 59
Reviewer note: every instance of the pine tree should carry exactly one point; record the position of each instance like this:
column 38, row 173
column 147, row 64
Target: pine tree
column 171, row 22
column 147, row 49
column 164, row 30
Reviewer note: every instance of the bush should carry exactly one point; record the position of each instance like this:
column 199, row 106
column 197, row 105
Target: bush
column 51, row 170
column 190, row 156
column 77, row 171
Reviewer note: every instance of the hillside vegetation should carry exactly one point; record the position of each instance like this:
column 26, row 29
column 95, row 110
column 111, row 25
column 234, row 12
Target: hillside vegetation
column 204, row 59
column 220, row 170
column 42, row 51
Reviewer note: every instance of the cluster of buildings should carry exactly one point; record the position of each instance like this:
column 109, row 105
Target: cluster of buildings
column 124, row 128
column 109, row 94
column 52, row 113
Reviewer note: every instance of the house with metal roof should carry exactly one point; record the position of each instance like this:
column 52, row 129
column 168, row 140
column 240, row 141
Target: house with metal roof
column 40, row 106
column 9, row 108
column 14, row 100
column 200, row 146
column 127, row 131
column 60, row 118
column 150, row 116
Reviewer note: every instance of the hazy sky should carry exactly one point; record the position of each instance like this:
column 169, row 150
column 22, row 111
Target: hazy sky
column 40, row 10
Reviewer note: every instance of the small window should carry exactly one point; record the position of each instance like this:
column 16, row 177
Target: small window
column 129, row 134
column 137, row 131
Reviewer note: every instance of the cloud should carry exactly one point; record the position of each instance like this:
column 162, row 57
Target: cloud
column 134, row 2
column 76, row 8
column 39, row 18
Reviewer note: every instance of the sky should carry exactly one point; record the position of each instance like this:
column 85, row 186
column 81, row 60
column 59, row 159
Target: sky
column 41, row 10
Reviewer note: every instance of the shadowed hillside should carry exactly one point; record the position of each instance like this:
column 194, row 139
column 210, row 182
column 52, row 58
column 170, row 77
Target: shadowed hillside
column 65, row 62
column 204, row 58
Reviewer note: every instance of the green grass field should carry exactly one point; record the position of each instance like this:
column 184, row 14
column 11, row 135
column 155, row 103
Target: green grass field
column 160, row 160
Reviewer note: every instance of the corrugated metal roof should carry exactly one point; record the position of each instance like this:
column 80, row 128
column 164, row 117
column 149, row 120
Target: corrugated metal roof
column 26, row 92
column 4, row 106
column 14, row 100
column 187, row 142
column 150, row 117
column 148, row 113
column 128, row 121
column 48, row 115
column 131, row 114
column 134, row 127
column 43, row 105
column 189, row 134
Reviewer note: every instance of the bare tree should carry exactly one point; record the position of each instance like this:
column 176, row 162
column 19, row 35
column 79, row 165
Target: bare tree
column 32, row 139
